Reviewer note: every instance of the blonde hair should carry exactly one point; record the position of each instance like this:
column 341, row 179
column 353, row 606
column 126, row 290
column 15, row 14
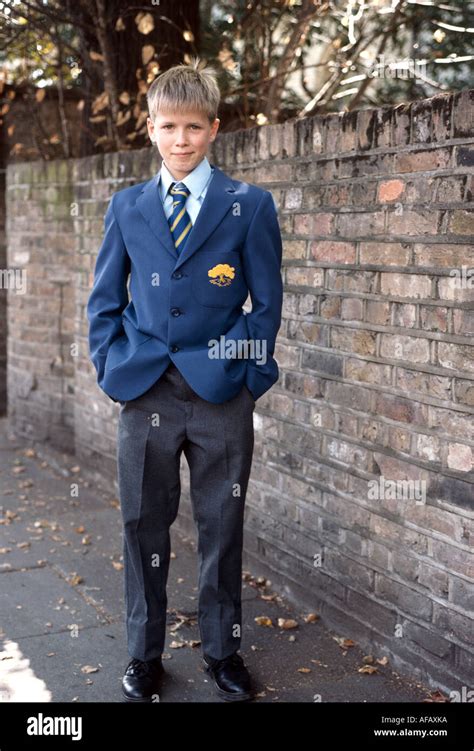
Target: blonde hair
column 185, row 87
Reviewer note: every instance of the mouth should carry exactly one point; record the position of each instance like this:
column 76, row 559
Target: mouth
column 187, row 154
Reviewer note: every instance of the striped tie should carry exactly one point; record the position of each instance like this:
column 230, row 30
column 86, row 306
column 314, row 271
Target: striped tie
column 179, row 221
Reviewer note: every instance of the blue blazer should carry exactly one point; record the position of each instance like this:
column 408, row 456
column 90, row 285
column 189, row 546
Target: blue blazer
column 188, row 307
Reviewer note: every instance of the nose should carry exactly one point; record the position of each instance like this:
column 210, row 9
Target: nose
column 181, row 140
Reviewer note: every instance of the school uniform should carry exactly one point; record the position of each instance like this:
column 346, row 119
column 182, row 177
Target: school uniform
column 180, row 354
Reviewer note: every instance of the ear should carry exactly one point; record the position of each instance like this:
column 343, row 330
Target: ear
column 215, row 128
column 151, row 129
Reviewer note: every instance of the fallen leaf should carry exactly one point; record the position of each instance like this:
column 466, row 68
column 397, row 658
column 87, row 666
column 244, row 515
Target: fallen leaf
column 304, row 670
column 368, row 669
column 89, row 669
column 262, row 620
column 344, row 643
column 287, row 623
column 74, row 580
column 311, row 617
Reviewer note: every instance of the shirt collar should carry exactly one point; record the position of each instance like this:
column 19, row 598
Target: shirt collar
column 196, row 180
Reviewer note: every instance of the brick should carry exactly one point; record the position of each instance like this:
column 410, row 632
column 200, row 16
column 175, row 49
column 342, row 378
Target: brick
column 400, row 409
column 361, row 224
column 464, row 392
column 422, row 161
column 428, row 639
column 464, row 156
column 335, row 195
column 463, row 114
column 409, row 222
column 462, row 223
column 404, row 598
column 390, row 190
column 351, row 280
column 443, row 255
column 460, row 457
column 415, row 286
column 377, row 312
column 312, row 333
column 348, row 131
column 434, row 318
column 336, row 252
column 456, row 356
column 349, row 570
column 289, row 139
column 404, row 315
column 352, row 309
column 401, row 124
column 348, row 453
column 428, row 448
column 330, row 307
column 452, row 423
column 294, row 249
column 434, row 579
column 293, row 198
column 302, row 223
column 450, row 189
column 345, row 395
column 421, row 121
column 462, row 593
column 441, row 106
column 323, row 224
column 322, row 362
column 384, row 254
column 353, row 340
column 455, row 559
column 363, row 193
column 368, row 372
column 455, row 287
column 304, row 275
column 451, row 490
column 463, row 322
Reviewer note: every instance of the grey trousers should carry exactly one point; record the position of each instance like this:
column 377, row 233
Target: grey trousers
column 218, row 441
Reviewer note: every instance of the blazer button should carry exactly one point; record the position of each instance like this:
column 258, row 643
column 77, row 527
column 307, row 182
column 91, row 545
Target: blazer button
column 177, row 274
column 175, row 311
column 174, row 348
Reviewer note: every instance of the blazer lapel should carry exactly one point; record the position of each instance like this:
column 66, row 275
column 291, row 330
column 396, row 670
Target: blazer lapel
column 217, row 201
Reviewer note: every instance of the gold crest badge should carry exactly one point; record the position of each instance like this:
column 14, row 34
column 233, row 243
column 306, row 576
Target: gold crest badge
column 222, row 274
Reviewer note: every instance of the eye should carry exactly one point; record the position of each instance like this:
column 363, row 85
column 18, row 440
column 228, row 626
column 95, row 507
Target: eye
column 167, row 126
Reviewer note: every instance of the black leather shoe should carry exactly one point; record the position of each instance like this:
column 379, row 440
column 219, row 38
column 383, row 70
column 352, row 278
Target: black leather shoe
column 142, row 679
column 231, row 677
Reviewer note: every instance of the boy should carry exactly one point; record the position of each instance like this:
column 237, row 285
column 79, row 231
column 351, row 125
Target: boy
column 194, row 242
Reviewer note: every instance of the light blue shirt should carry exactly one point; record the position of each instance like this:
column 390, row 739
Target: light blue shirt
column 197, row 181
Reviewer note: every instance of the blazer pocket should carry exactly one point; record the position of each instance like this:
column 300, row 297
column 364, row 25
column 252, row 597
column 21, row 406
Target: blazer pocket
column 217, row 279
column 122, row 349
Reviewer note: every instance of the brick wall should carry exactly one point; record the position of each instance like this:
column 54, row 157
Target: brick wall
column 361, row 500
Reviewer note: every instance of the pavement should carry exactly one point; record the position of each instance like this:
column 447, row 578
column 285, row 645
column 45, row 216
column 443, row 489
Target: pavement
column 62, row 630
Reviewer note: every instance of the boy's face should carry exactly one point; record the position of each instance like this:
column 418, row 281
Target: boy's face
column 182, row 139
